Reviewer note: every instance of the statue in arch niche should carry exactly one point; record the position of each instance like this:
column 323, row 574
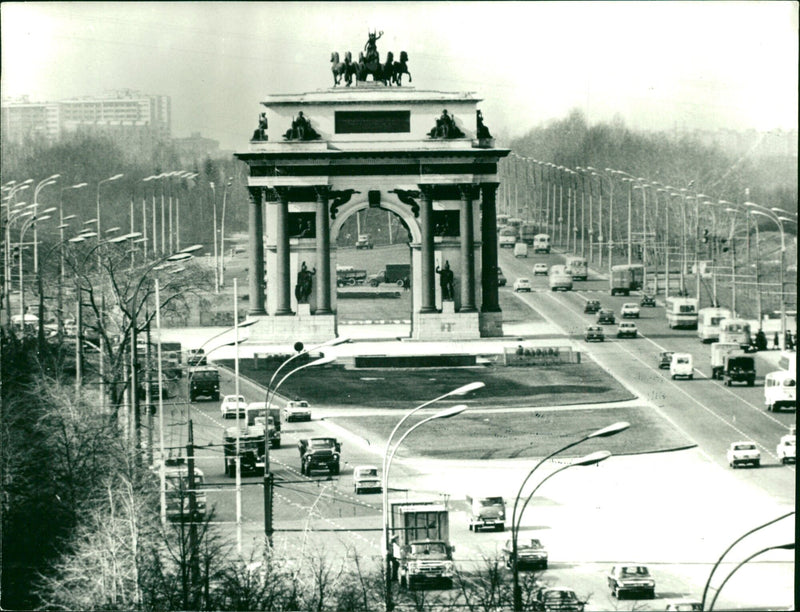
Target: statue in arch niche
column 302, row 290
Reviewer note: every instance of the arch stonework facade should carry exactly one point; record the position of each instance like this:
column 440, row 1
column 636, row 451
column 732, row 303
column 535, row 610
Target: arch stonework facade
column 374, row 151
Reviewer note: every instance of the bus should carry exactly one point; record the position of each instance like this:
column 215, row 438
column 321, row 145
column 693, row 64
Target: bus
column 515, row 223
column 736, row 331
column 502, row 220
column 577, row 266
column 507, row 238
column 708, row 320
column 527, row 232
column 626, row 278
column 541, row 243
column 559, row 278
column 681, row 312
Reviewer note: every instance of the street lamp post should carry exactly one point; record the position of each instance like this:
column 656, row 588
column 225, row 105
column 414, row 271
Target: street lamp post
column 97, row 218
column 516, row 519
column 51, row 180
column 387, row 548
column 228, row 183
column 13, row 189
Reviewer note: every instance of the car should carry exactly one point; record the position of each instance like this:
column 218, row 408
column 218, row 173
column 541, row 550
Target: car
column 530, row 554
column 591, row 306
column 557, row 599
column 606, row 316
column 744, row 452
column 787, row 449
column 681, row 365
column 540, row 268
column 366, row 478
column 648, row 300
column 363, row 242
column 297, row 410
column 594, row 332
column 522, row 284
column 631, row 579
column 685, row 605
column 626, row 329
column 234, row 405
column 629, row 310
column 501, row 278
column 665, row 360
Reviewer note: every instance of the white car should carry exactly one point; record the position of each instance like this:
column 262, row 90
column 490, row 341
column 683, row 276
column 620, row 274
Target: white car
column 630, row 310
column 366, row 478
column 540, row 268
column 234, row 405
column 297, row 410
column 681, row 365
column 787, row 449
column 744, row 453
column 522, row 284
column 626, row 329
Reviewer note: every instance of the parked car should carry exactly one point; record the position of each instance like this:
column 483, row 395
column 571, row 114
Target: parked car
column 366, row 478
column 631, row 580
column 297, row 410
column 591, row 306
column 594, row 333
column 681, row 365
column 665, row 360
column 522, row 284
column 606, row 316
column 686, row 605
column 648, row 300
column 743, row 453
column 530, row 554
column 557, row 599
column 501, row 278
column 363, row 242
column 234, row 405
column 787, row 449
column 627, row 329
column 540, row 268
column 630, row 310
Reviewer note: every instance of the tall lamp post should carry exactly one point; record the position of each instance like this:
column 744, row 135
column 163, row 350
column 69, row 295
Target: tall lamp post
column 51, row 180
column 228, row 183
column 61, row 227
column 605, row 432
column 387, row 548
column 13, row 188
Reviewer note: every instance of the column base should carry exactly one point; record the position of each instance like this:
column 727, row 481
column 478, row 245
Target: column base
column 491, row 324
column 256, row 312
column 446, row 326
column 308, row 329
column 283, row 313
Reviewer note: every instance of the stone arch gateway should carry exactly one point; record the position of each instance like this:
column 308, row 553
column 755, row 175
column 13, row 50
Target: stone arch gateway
column 332, row 152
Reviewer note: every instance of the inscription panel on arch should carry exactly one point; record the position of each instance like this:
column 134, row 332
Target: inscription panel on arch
column 373, row 122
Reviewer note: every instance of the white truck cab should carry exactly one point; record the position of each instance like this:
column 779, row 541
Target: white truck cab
column 486, row 511
column 682, row 365
column 780, row 390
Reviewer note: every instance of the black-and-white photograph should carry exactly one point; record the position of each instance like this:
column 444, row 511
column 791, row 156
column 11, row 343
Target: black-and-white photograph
column 392, row 306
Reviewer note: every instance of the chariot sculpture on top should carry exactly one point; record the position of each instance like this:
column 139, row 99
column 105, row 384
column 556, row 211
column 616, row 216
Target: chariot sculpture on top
column 369, row 63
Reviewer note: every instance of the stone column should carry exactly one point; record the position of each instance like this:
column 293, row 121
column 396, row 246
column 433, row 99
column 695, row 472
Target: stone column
column 283, row 304
column 428, row 297
column 323, row 253
column 467, row 250
column 255, row 227
column 490, row 302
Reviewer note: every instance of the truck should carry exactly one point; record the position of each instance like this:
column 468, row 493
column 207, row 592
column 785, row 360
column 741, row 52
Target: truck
column 364, row 242
column 421, row 550
column 738, row 368
column 718, row 352
column 319, row 453
column 393, row 273
column 527, row 233
column 507, row 238
column 250, row 446
column 486, row 511
column 349, row 276
column 626, row 278
column 203, row 381
column 257, row 415
column 541, row 243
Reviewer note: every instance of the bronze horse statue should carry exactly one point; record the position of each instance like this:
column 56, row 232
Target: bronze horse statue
column 372, row 67
column 344, row 69
column 400, row 68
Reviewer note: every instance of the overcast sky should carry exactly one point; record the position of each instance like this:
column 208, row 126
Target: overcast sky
column 658, row 65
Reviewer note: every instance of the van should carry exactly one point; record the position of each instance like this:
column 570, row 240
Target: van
column 780, row 390
column 520, row 249
column 681, row 365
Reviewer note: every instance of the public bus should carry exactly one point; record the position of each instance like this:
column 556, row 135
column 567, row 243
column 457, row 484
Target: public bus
column 626, row 278
column 507, row 238
column 577, row 266
column 541, row 243
column 515, row 223
column 708, row 320
column 735, row 331
column 559, row 278
column 681, row 312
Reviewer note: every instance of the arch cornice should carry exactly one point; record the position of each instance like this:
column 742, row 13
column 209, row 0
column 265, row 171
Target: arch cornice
column 389, row 202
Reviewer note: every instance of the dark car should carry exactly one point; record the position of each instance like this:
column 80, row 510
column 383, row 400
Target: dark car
column 664, row 360
column 648, row 300
column 594, row 333
column 592, row 306
column 501, row 278
column 606, row 317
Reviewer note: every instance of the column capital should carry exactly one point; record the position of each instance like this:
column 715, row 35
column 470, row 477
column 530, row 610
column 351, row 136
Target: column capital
column 426, row 191
column 275, row 194
column 489, row 188
column 322, row 192
column 256, row 194
column 468, row 191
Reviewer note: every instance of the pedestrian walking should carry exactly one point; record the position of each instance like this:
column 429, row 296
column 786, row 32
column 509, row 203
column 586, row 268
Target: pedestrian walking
column 775, row 341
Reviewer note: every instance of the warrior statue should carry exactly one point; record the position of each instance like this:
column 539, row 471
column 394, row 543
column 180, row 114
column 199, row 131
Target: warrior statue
column 446, row 282
column 302, row 290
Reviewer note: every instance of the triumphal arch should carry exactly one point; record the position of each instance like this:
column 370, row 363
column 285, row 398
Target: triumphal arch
column 317, row 158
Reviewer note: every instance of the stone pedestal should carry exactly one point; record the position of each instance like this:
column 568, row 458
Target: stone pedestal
column 445, row 325
column 448, row 307
column 307, row 328
column 491, row 324
column 304, row 310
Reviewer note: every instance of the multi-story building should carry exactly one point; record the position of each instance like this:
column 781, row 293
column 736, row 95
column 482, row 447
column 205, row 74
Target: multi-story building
column 125, row 111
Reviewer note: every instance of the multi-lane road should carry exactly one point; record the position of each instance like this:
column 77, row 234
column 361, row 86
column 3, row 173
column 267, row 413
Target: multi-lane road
column 674, row 511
